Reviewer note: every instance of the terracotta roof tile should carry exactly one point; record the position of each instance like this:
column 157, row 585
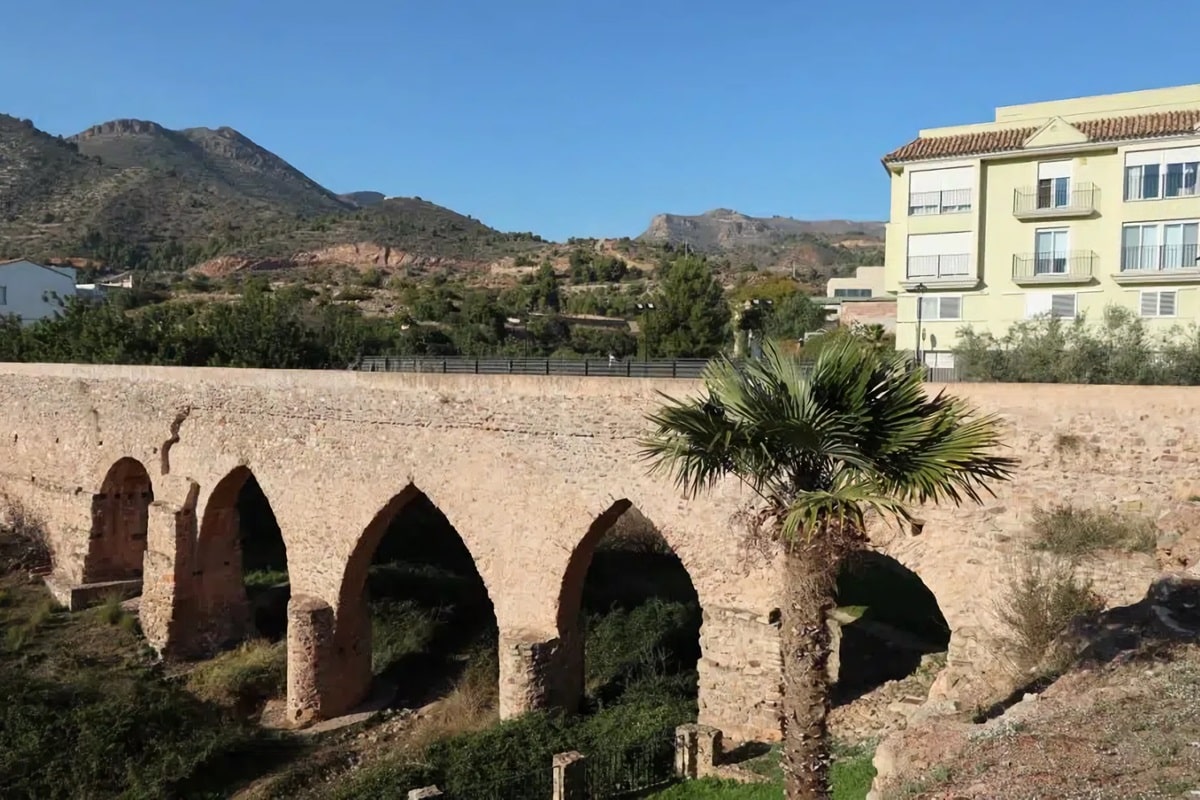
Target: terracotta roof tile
column 1109, row 129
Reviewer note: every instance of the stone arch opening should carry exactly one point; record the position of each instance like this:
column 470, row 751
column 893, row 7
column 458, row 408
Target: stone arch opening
column 899, row 626
column 414, row 613
column 120, row 516
column 242, row 587
column 629, row 616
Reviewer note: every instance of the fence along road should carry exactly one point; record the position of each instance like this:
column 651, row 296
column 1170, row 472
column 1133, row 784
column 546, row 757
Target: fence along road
column 582, row 367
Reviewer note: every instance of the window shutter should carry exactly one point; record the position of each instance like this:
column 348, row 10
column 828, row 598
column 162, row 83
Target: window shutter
column 1048, row 170
column 1140, row 157
column 1176, row 155
column 951, row 308
column 1166, row 304
column 1062, row 305
column 1149, row 304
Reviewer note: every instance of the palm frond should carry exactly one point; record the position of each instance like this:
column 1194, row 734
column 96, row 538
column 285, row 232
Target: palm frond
column 855, row 431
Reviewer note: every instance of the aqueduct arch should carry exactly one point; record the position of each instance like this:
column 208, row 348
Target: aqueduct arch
column 217, row 606
column 120, row 517
column 901, row 622
column 330, row 649
column 642, row 534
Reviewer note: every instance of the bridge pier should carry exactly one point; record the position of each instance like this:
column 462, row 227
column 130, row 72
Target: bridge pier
column 168, row 582
column 539, row 672
column 313, row 679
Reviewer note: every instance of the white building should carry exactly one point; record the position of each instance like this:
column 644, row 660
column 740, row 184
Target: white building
column 32, row 291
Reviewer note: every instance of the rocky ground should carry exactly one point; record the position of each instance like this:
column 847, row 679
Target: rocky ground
column 1122, row 724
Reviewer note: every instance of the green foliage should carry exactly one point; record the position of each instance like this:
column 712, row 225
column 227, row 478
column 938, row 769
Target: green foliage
column 1119, row 350
column 855, row 430
column 1076, row 532
column 243, row 678
column 793, row 316
column 820, row 446
column 588, row 266
column 691, row 316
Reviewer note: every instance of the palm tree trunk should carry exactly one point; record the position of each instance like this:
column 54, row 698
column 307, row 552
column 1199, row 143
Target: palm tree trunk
column 808, row 596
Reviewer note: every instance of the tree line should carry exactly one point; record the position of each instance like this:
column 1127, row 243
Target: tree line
column 687, row 315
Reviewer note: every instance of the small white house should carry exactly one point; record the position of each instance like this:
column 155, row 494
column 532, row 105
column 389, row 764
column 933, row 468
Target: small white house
column 32, row 291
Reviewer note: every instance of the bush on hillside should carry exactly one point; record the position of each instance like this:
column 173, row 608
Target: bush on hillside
column 1042, row 600
column 1076, row 532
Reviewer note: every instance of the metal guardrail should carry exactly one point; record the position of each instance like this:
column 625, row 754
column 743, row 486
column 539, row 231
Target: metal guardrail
column 584, row 367
column 690, row 368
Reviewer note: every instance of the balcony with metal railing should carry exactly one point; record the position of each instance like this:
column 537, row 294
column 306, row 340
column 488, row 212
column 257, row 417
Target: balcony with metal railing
column 1163, row 263
column 1075, row 266
column 949, row 201
column 952, row 271
column 1056, row 200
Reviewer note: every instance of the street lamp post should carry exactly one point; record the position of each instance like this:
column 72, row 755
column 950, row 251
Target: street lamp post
column 919, row 291
column 644, row 309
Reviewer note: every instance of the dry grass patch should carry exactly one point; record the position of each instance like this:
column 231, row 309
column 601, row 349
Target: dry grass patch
column 1039, row 605
column 1079, row 532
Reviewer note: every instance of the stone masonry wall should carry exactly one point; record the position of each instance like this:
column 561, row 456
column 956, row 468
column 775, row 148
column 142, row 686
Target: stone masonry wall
column 522, row 467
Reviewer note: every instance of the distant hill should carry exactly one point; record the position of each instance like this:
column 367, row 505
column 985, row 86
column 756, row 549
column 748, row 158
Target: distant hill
column 723, row 230
column 820, row 247
column 221, row 160
column 132, row 193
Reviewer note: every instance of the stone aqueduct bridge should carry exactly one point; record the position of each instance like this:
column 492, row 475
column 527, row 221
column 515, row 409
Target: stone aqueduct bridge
column 135, row 471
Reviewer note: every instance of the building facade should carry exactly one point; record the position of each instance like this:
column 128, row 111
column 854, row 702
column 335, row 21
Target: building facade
column 862, row 299
column 31, row 291
column 1060, row 208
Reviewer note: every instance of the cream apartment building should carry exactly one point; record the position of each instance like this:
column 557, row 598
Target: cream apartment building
column 1058, row 208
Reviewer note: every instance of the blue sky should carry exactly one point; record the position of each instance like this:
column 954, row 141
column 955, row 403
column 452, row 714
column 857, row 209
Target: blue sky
column 584, row 118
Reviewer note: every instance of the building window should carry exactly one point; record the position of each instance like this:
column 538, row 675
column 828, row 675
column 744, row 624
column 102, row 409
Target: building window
column 1155, row 174
column 1160, row 245
column 940, row 191
column 3, row 295
column 851, row 292
column 939, row 255
column 941, row 307
column 1050, row 251
column 1158, row 304
column 1054, row 184
column 1052, row 304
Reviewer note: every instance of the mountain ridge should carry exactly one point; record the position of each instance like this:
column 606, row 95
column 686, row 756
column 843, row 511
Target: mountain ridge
column 133, row 193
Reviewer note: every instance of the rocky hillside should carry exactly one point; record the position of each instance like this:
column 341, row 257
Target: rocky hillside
column 132, row 193
column 823, row 246
column 222, row 160
column 724, row 229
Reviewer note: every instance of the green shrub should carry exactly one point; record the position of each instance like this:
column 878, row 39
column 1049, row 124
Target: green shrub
column 1119, row 349
column 100, row 738
column 400, row 628
column 352, row 294
column 1074, row 532
column 110, row 611
column 243, row 678
column 18, row 635
column 655, row 638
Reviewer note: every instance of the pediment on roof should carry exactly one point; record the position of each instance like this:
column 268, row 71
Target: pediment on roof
column 1055, row 133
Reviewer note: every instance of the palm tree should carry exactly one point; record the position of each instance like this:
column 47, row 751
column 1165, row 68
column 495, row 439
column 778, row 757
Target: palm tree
column 822, row 448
